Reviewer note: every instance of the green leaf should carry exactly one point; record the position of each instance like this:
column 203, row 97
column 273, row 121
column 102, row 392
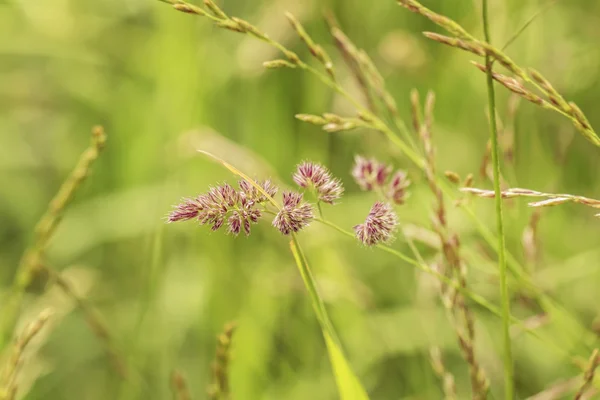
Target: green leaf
column 348, row 384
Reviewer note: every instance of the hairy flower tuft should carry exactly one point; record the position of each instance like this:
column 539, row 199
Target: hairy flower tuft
column 225, row 205
column 294, row 215
column 251, row 193
column 315, row 176
column 184, row 211
column 396, row 189
column 371, row 174
column 379, row 225
column 243, row 217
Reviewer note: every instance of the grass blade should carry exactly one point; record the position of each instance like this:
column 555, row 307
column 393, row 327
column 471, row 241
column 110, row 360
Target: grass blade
column 504, row 294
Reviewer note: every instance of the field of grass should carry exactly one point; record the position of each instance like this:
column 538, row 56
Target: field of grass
column 133, row 303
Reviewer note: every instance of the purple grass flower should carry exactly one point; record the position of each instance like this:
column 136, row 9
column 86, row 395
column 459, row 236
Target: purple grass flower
column 224, row 205
column 294, row 215
column 396, row 189
column 316, row 177
column 216, row 204
column 379, row 225
column 251, row 193
column 370, row 173
column 243, row 218
column 184, row 211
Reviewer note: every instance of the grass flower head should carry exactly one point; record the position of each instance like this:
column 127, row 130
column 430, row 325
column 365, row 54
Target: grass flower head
column 294, row 215
column 379, row 226
column 316, row 177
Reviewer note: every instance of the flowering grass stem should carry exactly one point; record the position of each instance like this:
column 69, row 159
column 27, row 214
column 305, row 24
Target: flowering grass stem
column 504, row 295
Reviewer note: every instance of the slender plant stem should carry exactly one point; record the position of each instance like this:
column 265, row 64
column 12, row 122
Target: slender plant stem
column 508, row 361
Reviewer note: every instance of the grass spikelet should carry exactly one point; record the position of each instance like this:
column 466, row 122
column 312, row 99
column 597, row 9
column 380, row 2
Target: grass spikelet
column 454, row 42
column 231, row 25
column 219, row 388
column 179, row 386
column 311, row 119
column 468, row 182
column 514, row 86
column 189, row 9
column 553, row 95
column 248, row 27
column 448, row 384
column 276, row 64
column 452, row 177
column 579, row 116
column 316, row 50
column 333, row 123
column 437, row 19
column 415, row 108
column 214, row 9
column 588, row 375
column 551, row 199
column 30, row 265
column 8, row 388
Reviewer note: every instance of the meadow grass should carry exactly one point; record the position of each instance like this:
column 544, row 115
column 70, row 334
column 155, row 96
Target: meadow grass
column 175, row 292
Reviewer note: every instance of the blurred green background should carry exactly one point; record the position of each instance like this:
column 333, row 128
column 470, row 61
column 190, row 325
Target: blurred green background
column 164, row 83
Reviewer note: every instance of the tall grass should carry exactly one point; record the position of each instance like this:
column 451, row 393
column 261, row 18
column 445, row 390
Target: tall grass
column 393, row 319
column 504, row 294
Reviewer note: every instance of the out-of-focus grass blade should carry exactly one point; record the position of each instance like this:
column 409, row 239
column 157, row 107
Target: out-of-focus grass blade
column 348, row 384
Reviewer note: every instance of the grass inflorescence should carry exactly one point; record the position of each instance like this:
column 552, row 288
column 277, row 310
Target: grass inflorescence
column 465, row 41
column 410, row 213
column 371, row 115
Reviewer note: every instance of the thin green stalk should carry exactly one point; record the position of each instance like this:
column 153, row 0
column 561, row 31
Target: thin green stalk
column 505, row 300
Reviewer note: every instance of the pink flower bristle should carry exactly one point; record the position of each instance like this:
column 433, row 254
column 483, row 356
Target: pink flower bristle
column 379, row 225
column 224, row 204
column 294, row 215
column 371, row 175
column 314, row 176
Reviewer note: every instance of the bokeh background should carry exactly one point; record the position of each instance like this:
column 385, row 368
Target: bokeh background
column 164, row 83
